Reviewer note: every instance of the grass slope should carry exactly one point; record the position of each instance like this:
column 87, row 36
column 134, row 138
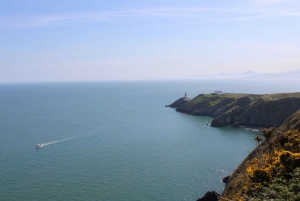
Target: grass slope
column 215, row 99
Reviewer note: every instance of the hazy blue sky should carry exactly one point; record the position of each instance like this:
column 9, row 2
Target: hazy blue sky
column 81, row 40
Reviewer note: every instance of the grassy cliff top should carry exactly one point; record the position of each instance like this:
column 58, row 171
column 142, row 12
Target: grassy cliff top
column 217, row 98
column 280, row 96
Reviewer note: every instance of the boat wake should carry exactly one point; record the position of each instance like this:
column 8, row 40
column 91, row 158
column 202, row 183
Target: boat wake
column 54, row 142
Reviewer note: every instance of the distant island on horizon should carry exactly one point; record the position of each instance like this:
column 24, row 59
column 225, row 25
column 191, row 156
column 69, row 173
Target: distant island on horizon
column 251, row 75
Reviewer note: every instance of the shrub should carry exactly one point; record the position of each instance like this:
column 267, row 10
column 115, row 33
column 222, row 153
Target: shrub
column 270, row 171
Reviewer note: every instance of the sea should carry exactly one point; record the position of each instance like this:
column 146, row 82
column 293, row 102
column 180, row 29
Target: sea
column 117, row 140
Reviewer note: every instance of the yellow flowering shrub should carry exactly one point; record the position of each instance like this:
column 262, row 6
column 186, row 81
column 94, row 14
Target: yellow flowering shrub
column 281, row 156
column 269, row 168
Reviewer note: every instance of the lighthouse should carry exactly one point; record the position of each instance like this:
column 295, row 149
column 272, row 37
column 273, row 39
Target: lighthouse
column 186, row 97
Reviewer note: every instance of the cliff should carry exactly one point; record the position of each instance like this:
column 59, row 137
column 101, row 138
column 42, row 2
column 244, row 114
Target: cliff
column 242, row 109
column 272, row 169
column 178, row 103
column 292, row 123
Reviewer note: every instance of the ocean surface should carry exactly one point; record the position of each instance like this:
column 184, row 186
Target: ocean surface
column 117, row 141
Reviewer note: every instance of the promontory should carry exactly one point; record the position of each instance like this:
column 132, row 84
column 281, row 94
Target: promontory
column 250, row 110
column 272, row 170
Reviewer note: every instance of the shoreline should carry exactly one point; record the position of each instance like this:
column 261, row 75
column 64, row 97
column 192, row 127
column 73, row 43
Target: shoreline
column 241, row 110
column 251, row 112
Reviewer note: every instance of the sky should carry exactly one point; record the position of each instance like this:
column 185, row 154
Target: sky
column 76, row 40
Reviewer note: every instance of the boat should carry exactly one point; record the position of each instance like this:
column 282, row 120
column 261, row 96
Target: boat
column 38, row 146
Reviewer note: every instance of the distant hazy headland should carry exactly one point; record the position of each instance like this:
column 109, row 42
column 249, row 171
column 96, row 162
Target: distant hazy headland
column 251, row 75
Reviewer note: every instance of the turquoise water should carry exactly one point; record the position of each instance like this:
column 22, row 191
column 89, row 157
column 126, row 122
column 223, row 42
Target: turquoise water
column 115, row 141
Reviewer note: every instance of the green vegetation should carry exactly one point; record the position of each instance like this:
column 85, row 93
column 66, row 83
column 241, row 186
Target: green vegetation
column 258, row 139
column 293, row 123
column 274, row 172
column 280, row 96
column 213, row 100
column 285, row 187
column 242, row 109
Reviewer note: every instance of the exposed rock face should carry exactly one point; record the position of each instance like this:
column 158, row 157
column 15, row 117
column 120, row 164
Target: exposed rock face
column 210, row 196
column 243, row 102
column 204, row 108
column 225, row 179
column 242, row 109
column 291, row 123
column 232, row 182
column 178, row 103
column 270, row 113
column 230, row 117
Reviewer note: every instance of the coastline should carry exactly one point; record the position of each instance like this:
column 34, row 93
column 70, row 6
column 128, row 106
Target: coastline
column 290, row 120
column 241, row 110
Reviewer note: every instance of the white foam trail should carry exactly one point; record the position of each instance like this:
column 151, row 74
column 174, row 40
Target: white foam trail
column 57, row 141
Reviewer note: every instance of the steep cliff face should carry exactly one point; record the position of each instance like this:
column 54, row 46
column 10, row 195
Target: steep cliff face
column 205, row 108
column 270, row 167
column 178, row 103
column 291, row 123
column 270, row 113
column 275, row 160
column 242, row 109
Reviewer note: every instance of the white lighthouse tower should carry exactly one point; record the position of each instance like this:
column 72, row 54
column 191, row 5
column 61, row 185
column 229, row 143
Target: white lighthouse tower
column 186, row 97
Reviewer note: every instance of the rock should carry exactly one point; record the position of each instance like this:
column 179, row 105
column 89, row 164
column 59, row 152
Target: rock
column 210, row 196
column 239, row 174
column 224, row 120
column 242, row 109
column 205, row 108
column 236, row 124
column 269, row 113
column 166, row 106
column 292, row 123
column 225, row 179
column 178, row 103
column 243, row 102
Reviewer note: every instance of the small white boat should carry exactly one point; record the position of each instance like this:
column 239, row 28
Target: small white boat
column 38, row 146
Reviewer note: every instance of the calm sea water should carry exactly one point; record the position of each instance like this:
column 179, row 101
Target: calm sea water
column 116, row 141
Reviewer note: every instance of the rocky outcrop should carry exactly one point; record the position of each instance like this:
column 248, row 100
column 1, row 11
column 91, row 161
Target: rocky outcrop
column 277, row 109
column 230, row 117
column 210, row 196
column 238, row 174
column 205, row 108
column 178, row 103
column 233, row 182
column 225, row 179
column 291, row 123
column 270, row 113
column 242, row 109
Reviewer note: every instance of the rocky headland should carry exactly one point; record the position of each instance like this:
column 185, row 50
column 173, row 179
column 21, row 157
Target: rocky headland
column 272, row 170
column 268, row 110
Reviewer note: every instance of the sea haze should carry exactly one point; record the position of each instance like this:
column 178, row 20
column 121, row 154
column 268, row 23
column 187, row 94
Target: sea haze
column 116, row 141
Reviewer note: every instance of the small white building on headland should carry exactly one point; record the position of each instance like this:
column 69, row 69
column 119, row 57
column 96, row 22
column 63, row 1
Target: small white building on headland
column 217, row 92
column 186, row 97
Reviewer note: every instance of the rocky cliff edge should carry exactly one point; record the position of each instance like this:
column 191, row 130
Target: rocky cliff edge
column 268, row 110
